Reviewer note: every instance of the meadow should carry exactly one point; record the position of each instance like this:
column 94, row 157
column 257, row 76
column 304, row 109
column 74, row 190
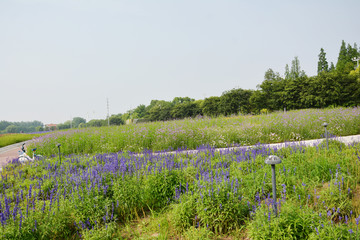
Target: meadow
column 207, row 195
column 215, row 132
column 104, row 189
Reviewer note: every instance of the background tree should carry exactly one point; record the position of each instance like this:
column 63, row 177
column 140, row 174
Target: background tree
column 296, row 71
column 235, row 101
column 322, row 63
column 210, row 106
column 12, row 129
column 272, row 89
column 97, row 123
column 186, row 110
column 65, row 125
column 178, row 100
column 77, row 120
column 161, row 111
column 258, row 101
column 116, row 120
column 139, row 112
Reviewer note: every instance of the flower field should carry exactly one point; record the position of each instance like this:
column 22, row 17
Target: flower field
column 207, row 195
column 215, row 132
column 105, row 189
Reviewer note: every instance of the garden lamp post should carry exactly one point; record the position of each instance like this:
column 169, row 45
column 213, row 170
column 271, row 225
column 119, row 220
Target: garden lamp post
column 273, row 160
column 325, row 124
column 58, row 145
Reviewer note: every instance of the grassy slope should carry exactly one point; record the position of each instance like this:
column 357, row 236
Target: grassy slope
column 215, row 132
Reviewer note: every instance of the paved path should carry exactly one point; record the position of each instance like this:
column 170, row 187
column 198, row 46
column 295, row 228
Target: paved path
column 346, row 140
column 12, row 151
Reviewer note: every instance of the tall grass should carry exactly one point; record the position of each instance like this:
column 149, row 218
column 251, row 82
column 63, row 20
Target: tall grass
column 215, row 132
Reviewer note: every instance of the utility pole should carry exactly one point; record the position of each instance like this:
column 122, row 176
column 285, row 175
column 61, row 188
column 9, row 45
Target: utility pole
column 108, row 116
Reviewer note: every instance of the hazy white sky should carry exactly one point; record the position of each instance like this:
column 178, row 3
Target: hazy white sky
column 63, row 58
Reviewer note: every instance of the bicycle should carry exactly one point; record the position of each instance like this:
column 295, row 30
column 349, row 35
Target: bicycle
column 23, row 157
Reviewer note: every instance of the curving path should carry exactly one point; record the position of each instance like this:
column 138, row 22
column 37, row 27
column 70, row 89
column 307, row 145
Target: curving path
column 10, row 152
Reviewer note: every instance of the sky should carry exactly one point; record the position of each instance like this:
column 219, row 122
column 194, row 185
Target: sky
column 61, row 59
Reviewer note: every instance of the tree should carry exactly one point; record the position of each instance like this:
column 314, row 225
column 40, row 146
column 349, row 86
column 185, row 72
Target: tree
column 76, row 121
column 116, row 120
column 210, row 106
column 12, row 129
column 272, row 89
column 235, row 101
column 186, row 110
column 39, row 129
column 4, row 125
column 178, row 100
column 96, row 123
column 258, row 101
column 345, row 63
column 296, row 71
column 65, row 125
column 161, row 111
column 287, row 72
column 322, row 63
column 139, row 111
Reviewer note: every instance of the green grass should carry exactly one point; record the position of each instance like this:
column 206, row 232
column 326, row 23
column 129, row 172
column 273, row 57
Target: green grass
column 12, row 138
column 216, row 132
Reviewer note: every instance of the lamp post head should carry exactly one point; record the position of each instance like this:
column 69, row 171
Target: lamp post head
column 272, row 160
column 325, row 124
column 58, row 145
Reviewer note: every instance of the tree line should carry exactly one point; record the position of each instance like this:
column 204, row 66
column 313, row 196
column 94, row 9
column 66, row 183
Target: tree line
column 334, row 85
column 17, row 127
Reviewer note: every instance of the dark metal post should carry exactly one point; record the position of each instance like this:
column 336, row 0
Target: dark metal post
column 326, row 135
column 58, row 145
column 273, row 160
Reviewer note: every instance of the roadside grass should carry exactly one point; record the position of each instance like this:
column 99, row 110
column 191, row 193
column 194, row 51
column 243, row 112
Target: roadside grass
column 207, row 195
column 215, row 132
column 12, row 138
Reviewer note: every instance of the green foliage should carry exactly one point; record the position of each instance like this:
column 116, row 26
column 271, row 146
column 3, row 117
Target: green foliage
column 235, row 101
column 160, row 188
column 186, row 110
column 292, row 222
column 322, row 63
column 12, row 129
column 77, row 120
column 17, row 127
column 210, row 106
column 161, row 111
column 97, row 123
column 116, row 120
column 8, row 139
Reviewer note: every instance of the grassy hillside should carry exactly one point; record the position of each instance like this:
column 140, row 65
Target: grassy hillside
column 214, row 132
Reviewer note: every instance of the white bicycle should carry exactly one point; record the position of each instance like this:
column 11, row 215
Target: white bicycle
column 23, row 157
